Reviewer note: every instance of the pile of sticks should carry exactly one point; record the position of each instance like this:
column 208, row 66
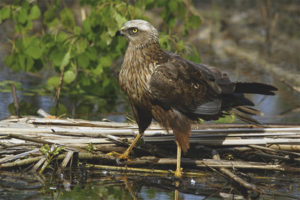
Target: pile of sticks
column 34, row 143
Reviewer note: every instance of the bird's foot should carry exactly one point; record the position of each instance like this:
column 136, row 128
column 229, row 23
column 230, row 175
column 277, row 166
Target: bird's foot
column 121, row 156
column 178, row 173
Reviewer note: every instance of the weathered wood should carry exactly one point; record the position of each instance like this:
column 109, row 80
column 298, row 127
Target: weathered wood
column 39, row 163
column 66, row 160
column 89, row 139
column 21, row 162
column 18, row 156
column 286, row 147
column 236, row 178
column 212, row 163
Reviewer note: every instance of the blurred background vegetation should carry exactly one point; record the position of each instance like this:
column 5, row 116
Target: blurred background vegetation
column 63, row 56
column 76, row 44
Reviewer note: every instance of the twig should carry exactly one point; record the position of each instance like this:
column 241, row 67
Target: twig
column 275, row 150
column 235, row 177
column 38, row 164
column 58, row 89
column 295, row 88
column 15, row 98
column 20, row 162
column 68, row 157
column 46, row 163
column 18, row 156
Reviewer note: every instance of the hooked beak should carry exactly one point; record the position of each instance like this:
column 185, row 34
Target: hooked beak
column 120, row 32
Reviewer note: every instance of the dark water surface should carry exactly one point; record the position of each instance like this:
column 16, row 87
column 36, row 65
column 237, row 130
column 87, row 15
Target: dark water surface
column 98, row 184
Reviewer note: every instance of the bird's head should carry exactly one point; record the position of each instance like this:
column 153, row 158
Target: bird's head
column 140, row 33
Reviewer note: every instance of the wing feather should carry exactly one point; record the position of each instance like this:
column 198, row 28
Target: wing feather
column 187, row 87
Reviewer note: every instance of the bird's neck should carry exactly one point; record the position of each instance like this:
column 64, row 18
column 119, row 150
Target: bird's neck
column 148, row 52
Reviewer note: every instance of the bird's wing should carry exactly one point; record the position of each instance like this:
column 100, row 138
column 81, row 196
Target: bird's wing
column 187, row 87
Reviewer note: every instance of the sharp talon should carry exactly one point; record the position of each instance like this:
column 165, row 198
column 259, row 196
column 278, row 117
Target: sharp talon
column 120, row 156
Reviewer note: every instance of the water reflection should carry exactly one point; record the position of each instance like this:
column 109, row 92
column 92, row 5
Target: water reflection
column 91, row 184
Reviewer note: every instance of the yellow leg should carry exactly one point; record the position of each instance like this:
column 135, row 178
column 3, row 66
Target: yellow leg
column 125, row 155
column 178, row 172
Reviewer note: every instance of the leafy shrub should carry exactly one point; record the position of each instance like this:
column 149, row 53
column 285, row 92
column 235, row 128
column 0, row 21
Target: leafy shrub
column 83, row 51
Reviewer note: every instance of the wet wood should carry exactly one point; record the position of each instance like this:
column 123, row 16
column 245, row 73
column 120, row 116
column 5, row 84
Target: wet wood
column 91, row 140
column 233, row 176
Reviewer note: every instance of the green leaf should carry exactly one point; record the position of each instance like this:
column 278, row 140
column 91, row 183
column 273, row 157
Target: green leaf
column 92, row 53
column 5, row 13
column 57, row 55
column 44, row 149
column 106, row 38
column 77, row 30
column 194, row 22
column 120, row 19
column 50, row 18
column 29, row 63
column 21, row 58
column 67, row 18
column 34, row 51
column 10, row 60
column 83, row 60
column 105, row 61
column 53, row 82
column 65, row 61
column 22, row 16
column 62, row 109
column 173, row 5
column 98, row 71
column 86, row 25
column 69, row 76
column 81, row 45
column 61, row 37
column 34, row 12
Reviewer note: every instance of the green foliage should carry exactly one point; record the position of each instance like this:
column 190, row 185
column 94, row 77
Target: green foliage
column 51, row 151
column 226, row 119
column 84, row 49
column 91, row 148
column 25, row 108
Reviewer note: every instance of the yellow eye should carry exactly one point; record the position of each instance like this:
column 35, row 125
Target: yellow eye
column 135, row 30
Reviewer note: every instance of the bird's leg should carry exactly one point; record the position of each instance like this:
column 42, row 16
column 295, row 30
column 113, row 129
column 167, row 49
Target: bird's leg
column 125, row 155
column 178, row 172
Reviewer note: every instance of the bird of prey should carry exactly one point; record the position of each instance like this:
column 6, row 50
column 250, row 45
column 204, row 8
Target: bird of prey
column 174, row 91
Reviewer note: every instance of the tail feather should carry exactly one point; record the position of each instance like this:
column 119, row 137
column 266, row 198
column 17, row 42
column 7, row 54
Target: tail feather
column 255, row 88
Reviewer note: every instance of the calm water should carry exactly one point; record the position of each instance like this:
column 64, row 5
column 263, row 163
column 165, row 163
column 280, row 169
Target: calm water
column 80, row 184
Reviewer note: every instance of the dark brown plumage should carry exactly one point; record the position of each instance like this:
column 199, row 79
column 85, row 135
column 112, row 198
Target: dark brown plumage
column 173, row 91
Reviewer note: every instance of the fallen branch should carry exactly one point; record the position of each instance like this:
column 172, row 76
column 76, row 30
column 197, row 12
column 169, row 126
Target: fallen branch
column 18, row 156
column 235, row 177
column 21, row 162
column 22, row 137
